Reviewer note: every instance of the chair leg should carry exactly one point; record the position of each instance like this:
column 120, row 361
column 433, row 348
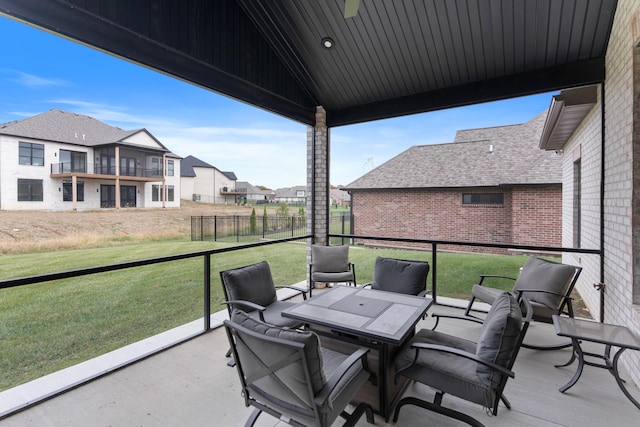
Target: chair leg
column 505, row 401
column 436, row 408
column 253, row 418
column 468, row 309
column 354, row 417
column 546, row 347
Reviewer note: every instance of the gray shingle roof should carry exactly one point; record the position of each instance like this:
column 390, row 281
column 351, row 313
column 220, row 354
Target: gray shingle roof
column 290, row 191
column 468, row 162
column 72, row 128
column 188, row 163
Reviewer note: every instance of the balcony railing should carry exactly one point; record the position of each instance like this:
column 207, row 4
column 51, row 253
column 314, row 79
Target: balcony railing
column 98, row 169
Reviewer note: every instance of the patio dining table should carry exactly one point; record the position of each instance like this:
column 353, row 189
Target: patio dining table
column 347, row 317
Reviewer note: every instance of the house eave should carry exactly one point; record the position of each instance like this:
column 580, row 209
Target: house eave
column 567, row 111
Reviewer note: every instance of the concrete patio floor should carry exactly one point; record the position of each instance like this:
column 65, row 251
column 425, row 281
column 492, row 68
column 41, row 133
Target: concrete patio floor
column 191, row 385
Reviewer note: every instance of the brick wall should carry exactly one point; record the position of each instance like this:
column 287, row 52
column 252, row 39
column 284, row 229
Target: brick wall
column 526, row 217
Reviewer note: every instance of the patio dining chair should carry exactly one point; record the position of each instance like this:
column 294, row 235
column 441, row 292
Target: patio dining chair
column 287, row 374
column 473, row 371
column 547, row 285
column 330, row 264
column 251, row 289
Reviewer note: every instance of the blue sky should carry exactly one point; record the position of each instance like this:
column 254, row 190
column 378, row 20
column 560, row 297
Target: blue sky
column 40, row 71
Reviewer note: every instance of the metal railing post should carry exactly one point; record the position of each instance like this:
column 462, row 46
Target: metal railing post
column 207, row 292
column 434, row 271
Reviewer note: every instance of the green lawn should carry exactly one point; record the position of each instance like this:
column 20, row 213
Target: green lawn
column 50, row 326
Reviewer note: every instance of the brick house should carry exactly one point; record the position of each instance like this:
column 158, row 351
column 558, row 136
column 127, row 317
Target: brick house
column 60, row 160
column 491, row 185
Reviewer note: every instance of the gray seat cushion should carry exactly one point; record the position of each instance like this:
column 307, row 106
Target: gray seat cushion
column 499, row 337
column 402, row 276
column 273, row 315
column 330, row 259
column 540, row 274
column 441, row 371
column 293, row 375
column 250, row 283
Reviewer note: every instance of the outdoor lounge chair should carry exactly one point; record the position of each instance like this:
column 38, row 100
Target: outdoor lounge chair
column 251, row 289
column 547, row 285
column 476, row 372
column 330, row 264
column 287, row 374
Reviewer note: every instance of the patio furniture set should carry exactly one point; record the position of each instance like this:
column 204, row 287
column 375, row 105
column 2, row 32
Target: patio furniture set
column 305, row 362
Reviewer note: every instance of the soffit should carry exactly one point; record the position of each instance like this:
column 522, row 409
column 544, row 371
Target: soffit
column 392, row 58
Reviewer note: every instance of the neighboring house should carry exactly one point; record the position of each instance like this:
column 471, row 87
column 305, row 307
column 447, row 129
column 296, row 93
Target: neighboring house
column 254, row 195
column 339, row 197
column 491, row 185
column 202, row 182
column 60, row 160
column 292, row 195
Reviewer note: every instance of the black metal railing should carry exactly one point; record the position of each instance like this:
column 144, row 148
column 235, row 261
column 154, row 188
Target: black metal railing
column 432, row 246
column 246, row 228
column 99, row 169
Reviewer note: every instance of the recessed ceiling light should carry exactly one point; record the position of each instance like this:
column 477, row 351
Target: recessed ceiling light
column 327, row 43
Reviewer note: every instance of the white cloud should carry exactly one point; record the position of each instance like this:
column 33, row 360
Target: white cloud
column 34, row 82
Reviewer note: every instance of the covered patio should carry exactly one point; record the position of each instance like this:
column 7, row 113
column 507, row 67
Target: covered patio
column 308, row 62
column 191, row 384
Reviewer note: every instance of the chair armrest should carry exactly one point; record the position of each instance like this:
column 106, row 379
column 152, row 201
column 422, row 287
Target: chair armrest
column 492, row 276
column 461, row 353
column 565, row 299
column 328, row 388
column 455, row 316
column 247, row 304
column 302, row 291
column 543, row 291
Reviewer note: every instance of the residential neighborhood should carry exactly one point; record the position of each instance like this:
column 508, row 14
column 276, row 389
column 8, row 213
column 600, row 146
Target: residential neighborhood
column 60, row 160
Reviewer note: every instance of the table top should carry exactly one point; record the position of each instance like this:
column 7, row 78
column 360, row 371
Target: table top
column 604, row 333
column 383, row 316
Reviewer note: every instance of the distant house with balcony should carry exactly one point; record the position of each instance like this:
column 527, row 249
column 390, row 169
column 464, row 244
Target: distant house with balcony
column 60, row 160
column 202, row 182
column 491, row 185
column 291, row 195
column 254, row 195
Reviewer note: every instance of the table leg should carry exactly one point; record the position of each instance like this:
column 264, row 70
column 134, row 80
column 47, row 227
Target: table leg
column 571, row 360
column 614, row 371
column 577, row 351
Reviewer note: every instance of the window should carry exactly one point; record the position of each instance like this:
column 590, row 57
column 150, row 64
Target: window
column 170, row 193
column 31, row 154
column 156, row 170
column 577, row 205
column 30, row 190
column 170, row 167
column 128, row 166
column 67, row 191
column 73, row 161
column 155, row 193
column 483, row 199
column 299, row 193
